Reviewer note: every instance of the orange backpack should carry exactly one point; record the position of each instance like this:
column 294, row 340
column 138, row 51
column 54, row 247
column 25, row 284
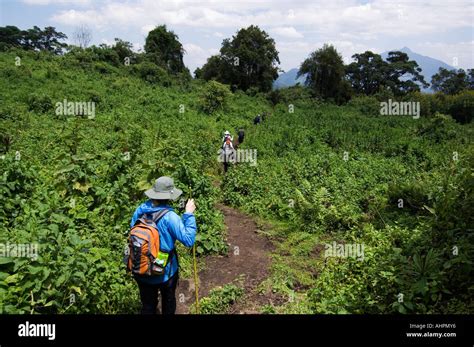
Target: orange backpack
column 143, row 253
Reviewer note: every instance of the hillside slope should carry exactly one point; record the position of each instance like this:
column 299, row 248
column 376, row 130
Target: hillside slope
column 392, row 195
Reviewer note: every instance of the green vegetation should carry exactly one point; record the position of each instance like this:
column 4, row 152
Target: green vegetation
column 332, row 174
column 400, row 187
column 452, row 82
column 78, row 180
column 219, row 300
column 47, row 39
column 324, row 70
column 248, row 61
column 214, row 97
column 163, row 48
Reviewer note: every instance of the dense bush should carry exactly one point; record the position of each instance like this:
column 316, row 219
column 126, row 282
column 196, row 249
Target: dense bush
column 72, row 188
column 40, row 103
column 401, row 191
column 152, row 73
column 368, row 105
column 461, row 106
column 214, row 97
column 324, row 174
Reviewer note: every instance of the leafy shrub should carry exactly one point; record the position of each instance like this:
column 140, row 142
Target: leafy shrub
column 461, row 106
column 105, row 54
column 8, row 112
column 252, row 91
column 367, row 105
column 219, row 300
column 16, row 72
column 152, row 73
column 77, row 56
column 52, row 73
column 438, row 129
column 102, row 67
column 425, row 100
column 214, row 97
column 293, row 94
column 94, row 96
column 40, row 103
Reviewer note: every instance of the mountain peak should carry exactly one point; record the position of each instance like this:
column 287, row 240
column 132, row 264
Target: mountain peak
column 428, row 65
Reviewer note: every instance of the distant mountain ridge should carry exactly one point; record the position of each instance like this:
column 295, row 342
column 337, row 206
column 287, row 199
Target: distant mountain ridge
column 288, row 79
column 428, row 65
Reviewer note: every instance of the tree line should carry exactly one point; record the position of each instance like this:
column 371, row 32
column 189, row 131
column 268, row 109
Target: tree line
column 249, row 61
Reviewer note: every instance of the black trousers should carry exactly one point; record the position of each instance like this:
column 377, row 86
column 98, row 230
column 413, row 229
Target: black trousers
column 149, row 296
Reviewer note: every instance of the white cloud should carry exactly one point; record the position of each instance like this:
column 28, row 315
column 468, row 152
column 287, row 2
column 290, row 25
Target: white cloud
column 57, row 2
column 455, row 53
column 137, row 47
column 191, row 48
column 196, row 55
column 287, row 32
column 147, row 28
column 343, row 17
column 352, row 26
column 74, row 18
column 108, row 42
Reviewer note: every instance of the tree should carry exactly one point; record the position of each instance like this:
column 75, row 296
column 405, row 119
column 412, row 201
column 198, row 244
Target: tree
column 248, row 60
column 82, row 36
column 451, row 81
column 370, row 74
column 50, row 40
column 402, row 74
column 123, row 49
column 10, row 36
column 211, row 70
column 163, row 48
column 367, row 73
column 32, row 39
column 470, row 79
column 324, row 70
column 214, row 97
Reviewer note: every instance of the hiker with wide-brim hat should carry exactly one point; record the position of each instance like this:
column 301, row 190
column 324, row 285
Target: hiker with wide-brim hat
column 171, row 227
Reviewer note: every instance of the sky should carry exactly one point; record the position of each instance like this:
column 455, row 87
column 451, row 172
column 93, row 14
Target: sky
column 440, row 29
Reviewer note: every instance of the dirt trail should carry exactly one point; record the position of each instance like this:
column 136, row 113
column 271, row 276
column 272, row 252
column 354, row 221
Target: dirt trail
column 247, row 260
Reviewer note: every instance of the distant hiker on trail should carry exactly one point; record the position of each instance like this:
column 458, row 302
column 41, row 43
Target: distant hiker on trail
column 227, row 140
column 257, row 120
column 152, row 258
column 241, row 135
column 227, row 149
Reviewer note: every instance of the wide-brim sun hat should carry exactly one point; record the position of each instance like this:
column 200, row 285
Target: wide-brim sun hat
column 164, row 189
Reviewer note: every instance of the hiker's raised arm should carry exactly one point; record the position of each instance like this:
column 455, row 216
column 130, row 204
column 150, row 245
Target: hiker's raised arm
column 190, row 206
column 184, row 229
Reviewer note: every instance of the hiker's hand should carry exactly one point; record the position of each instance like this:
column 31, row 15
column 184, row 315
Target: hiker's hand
column 190, row 206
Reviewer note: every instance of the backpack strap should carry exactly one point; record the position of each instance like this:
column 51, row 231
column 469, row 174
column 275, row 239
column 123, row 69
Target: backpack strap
column 159, row 214
column 155, row 217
